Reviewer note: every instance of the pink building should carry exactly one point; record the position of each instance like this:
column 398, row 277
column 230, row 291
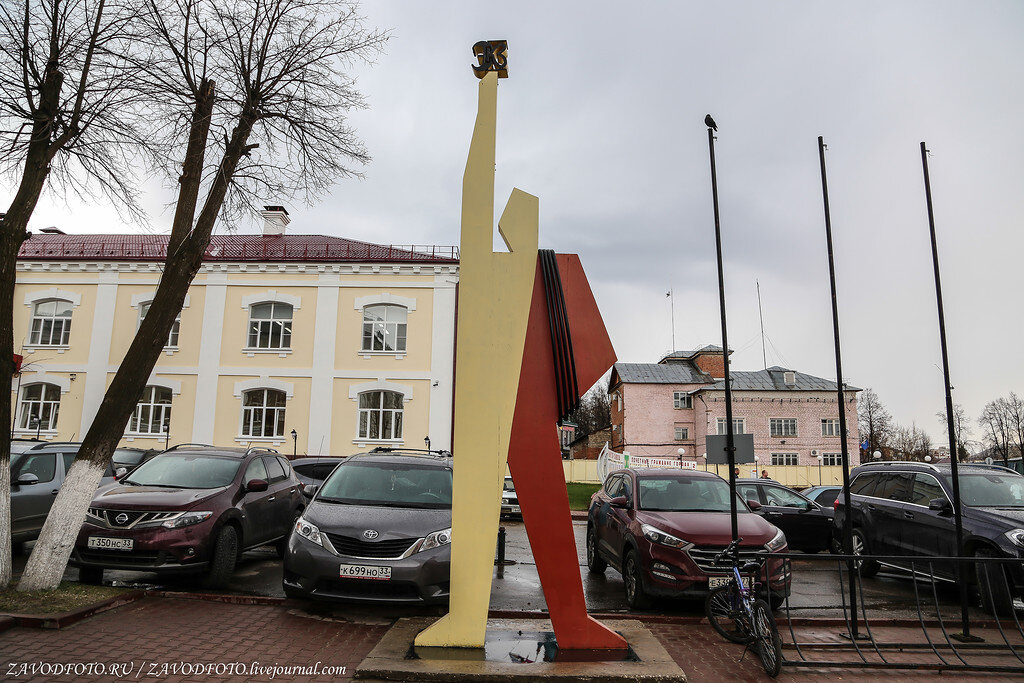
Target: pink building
column 658, row 408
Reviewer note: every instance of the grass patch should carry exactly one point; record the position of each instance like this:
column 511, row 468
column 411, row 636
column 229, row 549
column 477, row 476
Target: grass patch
column 70, row 595
column 579, row 495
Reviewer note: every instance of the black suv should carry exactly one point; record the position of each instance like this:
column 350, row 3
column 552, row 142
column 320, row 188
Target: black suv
column 905, row 508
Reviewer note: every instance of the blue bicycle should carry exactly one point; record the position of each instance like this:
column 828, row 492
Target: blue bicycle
column 739, row 616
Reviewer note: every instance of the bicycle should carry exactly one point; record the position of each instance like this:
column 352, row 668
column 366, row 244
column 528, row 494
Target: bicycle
column 739, row 616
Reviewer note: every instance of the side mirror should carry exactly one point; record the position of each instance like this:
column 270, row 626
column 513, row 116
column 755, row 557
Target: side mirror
column 618, row 502
column 256, row 485
column 753, row 505
column 940, row 505
column 27, row 479
column 310, row 491
column 120, row 472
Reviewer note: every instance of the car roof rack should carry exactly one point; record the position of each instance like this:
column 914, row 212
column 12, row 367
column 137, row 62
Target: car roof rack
column 889, row 463
column 188, row 445
column 261, row 449
column 43, row 444
column 401, row 450
column 993, row 466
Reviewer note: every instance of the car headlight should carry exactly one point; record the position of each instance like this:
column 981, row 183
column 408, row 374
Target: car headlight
column 308, row 531
column 656, row 535
column 777, row 543
column 187, row 519
column 1016, row 537
column 436, row 540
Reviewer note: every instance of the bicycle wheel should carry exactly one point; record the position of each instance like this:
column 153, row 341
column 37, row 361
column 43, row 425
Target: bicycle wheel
column 767, row 641
column 725, row 614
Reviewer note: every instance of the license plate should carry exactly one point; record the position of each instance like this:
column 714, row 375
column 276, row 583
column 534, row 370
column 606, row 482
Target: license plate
column 364, row 571
column 716, row 581
column 111, row 543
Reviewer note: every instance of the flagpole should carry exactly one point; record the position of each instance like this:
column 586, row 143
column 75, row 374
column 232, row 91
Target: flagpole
column 672, row 308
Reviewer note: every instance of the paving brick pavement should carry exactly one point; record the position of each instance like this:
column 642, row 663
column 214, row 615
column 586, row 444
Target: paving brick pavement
column 153, row 632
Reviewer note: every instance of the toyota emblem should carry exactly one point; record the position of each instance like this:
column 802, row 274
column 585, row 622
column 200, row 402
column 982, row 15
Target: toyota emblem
column 370, row 534
column 121, row 518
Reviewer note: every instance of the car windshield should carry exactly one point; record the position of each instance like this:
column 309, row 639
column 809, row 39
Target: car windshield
column 127, row 456
column 678, row 494
column 185, row 471
column 389, row 484
column 992, row 489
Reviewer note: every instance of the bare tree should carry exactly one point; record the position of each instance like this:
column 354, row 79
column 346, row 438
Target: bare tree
column 275, row 124
column 69, row 118
column 961, row 428
column 1015, row 415
column 594, row 412
column 996, row 425
column 874, row 422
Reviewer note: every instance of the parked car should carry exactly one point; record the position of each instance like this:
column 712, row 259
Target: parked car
column 509, row 500
column 905, row 509
column 130, row 458
column 190, row 509
column 822, row 495
column 37, row 473
column 313, row 471
column 807, row 525
column 377, row 530
column 661, row 529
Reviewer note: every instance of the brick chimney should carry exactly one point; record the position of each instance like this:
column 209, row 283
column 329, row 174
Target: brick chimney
column 275, row 219
column 711, row 363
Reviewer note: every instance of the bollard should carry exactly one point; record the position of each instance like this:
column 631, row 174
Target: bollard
column 500, row 561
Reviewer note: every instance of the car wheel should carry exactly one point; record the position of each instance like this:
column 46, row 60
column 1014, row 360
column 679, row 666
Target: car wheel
column 595, row 563
column 993, row 585
column 723, row 611
column 225, row 555
column 282, row 544
column 90, row 575
column 633, row 580
column 868, row 568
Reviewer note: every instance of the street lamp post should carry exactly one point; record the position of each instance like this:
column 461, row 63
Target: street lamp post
column 295, row 444
column 426, row 440
column 167, row 432
column 821, row 459
column 34, row 421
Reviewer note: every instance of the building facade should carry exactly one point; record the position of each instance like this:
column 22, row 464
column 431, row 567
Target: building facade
column 659, row 408
column 343, row 345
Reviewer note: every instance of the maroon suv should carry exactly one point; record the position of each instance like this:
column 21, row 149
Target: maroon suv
column 190, row 509
column 662, row 529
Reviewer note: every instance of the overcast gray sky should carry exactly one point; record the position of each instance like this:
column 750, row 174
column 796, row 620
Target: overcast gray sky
column 602, row 118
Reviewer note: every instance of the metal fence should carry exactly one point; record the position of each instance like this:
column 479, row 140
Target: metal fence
column 991, row 641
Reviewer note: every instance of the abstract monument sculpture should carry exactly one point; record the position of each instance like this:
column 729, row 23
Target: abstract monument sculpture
column 530, row 335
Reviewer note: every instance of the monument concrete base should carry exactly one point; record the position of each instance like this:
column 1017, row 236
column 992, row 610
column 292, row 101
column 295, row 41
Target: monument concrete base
column 518, row 650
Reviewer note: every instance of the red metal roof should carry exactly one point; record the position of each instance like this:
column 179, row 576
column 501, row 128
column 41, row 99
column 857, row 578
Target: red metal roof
column 266, row 248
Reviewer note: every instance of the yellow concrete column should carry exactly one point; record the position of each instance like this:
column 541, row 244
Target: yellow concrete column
column 495, row 290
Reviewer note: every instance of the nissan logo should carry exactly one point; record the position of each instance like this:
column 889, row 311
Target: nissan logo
column 370, row 534
column 121, row 518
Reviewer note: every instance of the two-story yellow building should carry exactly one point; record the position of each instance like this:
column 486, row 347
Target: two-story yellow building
column 339, row 344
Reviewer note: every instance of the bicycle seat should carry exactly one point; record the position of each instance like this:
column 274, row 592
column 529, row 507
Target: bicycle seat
column 751, row 567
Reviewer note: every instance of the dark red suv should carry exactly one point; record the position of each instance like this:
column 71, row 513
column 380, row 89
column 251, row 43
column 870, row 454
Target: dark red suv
column 663, row 528
column 190, row 509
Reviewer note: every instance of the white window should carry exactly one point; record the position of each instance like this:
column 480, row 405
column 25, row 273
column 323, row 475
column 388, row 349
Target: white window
column 51, row 323
column 681, row 400
column 153, row 413
column 384, row 328
column 782, row 426
column 832, row 459
column 739, row 425
column 682, row 433
column 380, row 415
column 172, row 336
column 270, row 325
column 830, row 427
column 40, row 402
column 785, row 459
column 263, row 412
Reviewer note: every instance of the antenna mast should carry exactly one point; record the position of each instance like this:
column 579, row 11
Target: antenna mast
column 764, row 354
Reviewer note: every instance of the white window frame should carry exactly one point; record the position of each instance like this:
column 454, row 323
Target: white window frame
column 832, row 459
column 249, row 414
column 682, row 400
column 149, row 401
column 682, row 433
column 399, row 330
column 739, row 425
column 35, row 336
column 830, row 426
column 172, row 335
column 782, row 459
column 284, row 325
column 397, row 417
column 782, row 427
column 52, row 407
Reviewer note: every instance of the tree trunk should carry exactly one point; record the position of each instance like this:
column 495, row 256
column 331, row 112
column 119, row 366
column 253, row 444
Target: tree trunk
column 53, row 549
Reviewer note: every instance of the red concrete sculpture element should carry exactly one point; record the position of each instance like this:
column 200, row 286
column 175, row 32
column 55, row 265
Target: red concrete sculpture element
column 534, row 452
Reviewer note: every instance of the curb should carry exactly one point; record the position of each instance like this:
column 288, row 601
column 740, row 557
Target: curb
column 220, row 597
column 57, row 621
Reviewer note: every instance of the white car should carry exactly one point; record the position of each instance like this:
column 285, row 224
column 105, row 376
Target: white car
column 509, row 501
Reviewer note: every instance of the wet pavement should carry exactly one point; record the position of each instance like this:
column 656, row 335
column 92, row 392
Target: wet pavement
column 815, row 585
